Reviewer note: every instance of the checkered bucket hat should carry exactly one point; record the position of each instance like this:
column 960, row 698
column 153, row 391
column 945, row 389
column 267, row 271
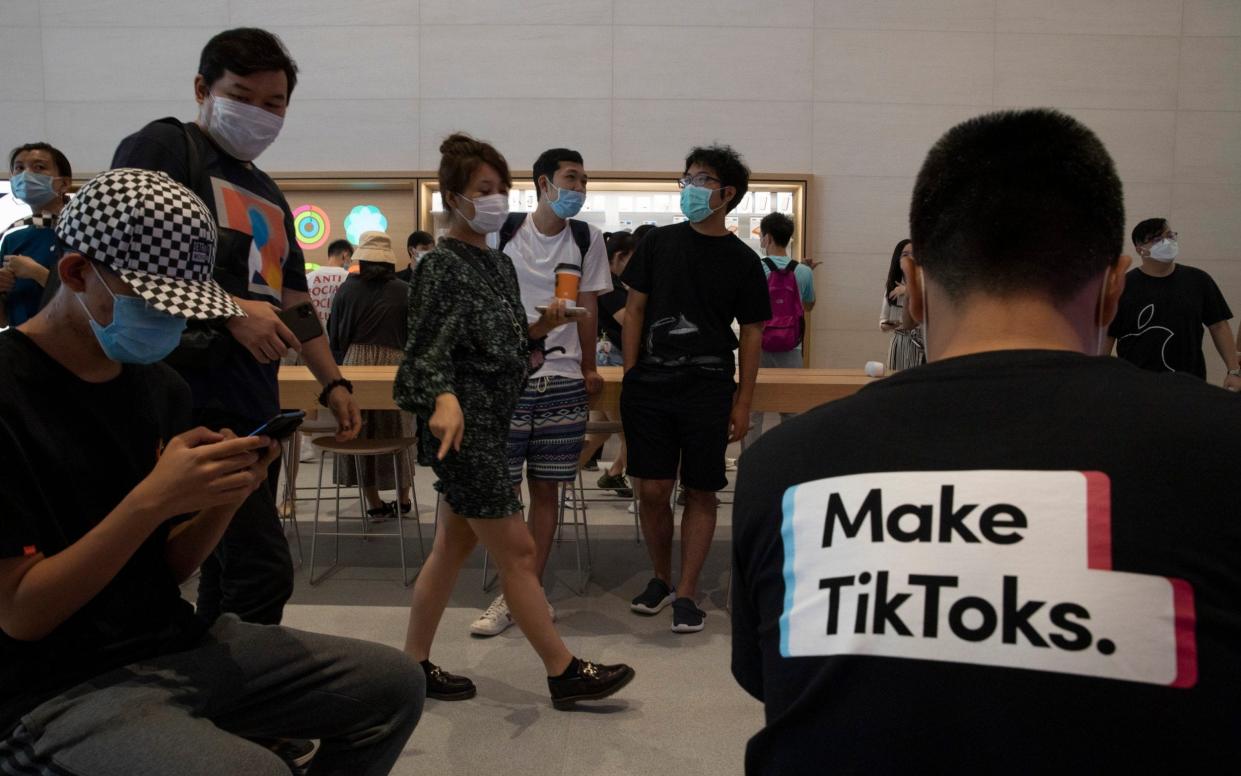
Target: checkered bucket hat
column 156, row 234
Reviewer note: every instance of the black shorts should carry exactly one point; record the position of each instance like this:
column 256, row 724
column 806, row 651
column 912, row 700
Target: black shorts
column 676, row 421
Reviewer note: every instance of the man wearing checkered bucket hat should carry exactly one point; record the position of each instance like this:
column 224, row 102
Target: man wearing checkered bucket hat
column 103, row 667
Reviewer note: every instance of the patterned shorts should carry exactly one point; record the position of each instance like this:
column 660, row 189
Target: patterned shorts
column 548, row 429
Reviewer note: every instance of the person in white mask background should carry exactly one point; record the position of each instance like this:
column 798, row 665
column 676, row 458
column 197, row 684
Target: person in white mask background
column 466, row 362
column 417, row 245
column 549, row 425
column 1165, row 308
column 39, row 177
column 244, row 83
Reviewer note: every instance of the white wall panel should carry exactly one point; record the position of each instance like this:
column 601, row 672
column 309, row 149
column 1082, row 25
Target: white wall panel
column 477, row 61
column 720, row 63
column 947, row 15
column 1087, row 71
column 657, row 134
column 521, row 129
column 942, row 68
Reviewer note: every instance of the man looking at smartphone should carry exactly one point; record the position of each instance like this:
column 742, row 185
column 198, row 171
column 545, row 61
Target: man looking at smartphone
column 103, row 668
column 244, row 82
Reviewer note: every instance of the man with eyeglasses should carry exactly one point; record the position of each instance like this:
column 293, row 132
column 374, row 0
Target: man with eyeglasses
column 1165, row 308
column 680, row 405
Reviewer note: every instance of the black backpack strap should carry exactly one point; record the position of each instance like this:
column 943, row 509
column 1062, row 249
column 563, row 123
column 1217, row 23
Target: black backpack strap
column 581, row 235
column 792, row 265
column 771, row 265
column 511, row 225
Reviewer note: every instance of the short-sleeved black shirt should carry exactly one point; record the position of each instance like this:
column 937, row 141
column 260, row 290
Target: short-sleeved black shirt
column 258, row 256
column 696, row 286
column 1071, row 529
column 70, row 451
column 1159, row 323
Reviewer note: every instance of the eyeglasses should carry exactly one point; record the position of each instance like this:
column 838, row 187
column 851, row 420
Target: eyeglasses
column 697, row 180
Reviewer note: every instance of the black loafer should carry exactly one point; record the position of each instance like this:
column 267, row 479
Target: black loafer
column 587, row 681
column 444, row 686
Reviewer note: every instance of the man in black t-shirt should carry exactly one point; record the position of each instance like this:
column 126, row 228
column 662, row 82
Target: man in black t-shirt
column 679, row 405
column 103, row 667
column 1043, row 576
column 1165, row 307
column 245, row 78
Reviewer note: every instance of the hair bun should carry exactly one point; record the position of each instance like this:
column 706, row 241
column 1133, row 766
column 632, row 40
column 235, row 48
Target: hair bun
column 459, row 144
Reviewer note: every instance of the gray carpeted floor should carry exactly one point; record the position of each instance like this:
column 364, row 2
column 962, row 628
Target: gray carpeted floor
column 683, row 714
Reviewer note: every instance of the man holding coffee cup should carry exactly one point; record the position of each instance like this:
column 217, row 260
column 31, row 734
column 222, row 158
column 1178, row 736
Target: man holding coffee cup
column 559, row 261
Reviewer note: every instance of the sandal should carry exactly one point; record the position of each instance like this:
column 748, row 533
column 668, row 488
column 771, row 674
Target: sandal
column 407, row 509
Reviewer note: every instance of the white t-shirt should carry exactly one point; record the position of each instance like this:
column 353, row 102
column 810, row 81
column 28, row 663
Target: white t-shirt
column 322, row 284
column 535, row 257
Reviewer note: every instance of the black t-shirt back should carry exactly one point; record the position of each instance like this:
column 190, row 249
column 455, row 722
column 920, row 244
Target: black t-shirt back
column 258, row 256
column 1159, row 323
column 70, row 451
column 1041, row 577
column 696, row 286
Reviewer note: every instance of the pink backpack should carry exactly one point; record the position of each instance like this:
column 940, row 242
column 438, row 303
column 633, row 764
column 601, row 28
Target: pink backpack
column 788, row 318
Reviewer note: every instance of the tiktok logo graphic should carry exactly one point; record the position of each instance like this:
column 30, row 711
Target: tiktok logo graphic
column 1001, row 568
column 1155, row 332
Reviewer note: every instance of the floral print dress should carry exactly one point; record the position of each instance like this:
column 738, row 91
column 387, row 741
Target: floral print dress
column 467, row 336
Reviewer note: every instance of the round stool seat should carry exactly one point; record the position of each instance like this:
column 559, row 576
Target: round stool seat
column 604, row 427
column 365, row 446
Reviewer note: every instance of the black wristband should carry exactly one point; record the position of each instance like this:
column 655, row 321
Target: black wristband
column 327, row 389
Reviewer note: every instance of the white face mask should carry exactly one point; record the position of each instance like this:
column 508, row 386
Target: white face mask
column 242, row 131
column 489, row 212
column 1165, row 250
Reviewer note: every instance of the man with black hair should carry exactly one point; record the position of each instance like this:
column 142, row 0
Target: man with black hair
column 244, row 82
column 680, row 405
column 40, row 177
column 792, row 297
column 1165, row 307
column 1045, row 578
column 418, row 243
column 559, row 260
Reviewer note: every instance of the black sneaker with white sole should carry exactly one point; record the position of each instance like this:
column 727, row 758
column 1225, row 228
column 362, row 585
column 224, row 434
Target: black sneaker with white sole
column 687, row 617
column 653, row 600
column 587, row 681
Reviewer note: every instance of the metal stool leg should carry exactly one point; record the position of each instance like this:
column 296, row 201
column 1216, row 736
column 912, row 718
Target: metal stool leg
column 314, row 530
column 290, row 496
column 400, row 524
column 413, row 494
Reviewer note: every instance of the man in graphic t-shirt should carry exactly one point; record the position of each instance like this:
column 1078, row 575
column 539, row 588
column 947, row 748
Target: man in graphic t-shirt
column 551, row 250
column 680, row 405
column 245, row 78
column 1165, row 307
column 1046, row 578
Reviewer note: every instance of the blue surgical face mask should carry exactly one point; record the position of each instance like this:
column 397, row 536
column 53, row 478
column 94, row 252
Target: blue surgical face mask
column 138, row 334
column 567, row 203
column 35, row 189
column 696, row 203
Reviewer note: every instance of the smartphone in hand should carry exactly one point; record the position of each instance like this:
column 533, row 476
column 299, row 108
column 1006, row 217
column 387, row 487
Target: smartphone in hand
column 302, row 321
column 280, row 426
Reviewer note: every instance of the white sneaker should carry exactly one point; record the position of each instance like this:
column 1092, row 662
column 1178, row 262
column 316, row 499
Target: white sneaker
column 494, row 621
column 730, row 464
column 498, row 619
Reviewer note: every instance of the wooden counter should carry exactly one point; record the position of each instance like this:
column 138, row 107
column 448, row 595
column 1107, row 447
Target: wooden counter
column 777, row 390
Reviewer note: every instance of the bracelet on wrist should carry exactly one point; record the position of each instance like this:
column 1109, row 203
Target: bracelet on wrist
column 339, row 382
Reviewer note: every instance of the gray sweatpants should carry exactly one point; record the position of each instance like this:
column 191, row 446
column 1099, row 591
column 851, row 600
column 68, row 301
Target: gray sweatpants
column 192, row 713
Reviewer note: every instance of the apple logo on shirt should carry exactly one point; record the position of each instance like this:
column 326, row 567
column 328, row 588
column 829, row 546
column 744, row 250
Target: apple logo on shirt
column 1144, row 329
